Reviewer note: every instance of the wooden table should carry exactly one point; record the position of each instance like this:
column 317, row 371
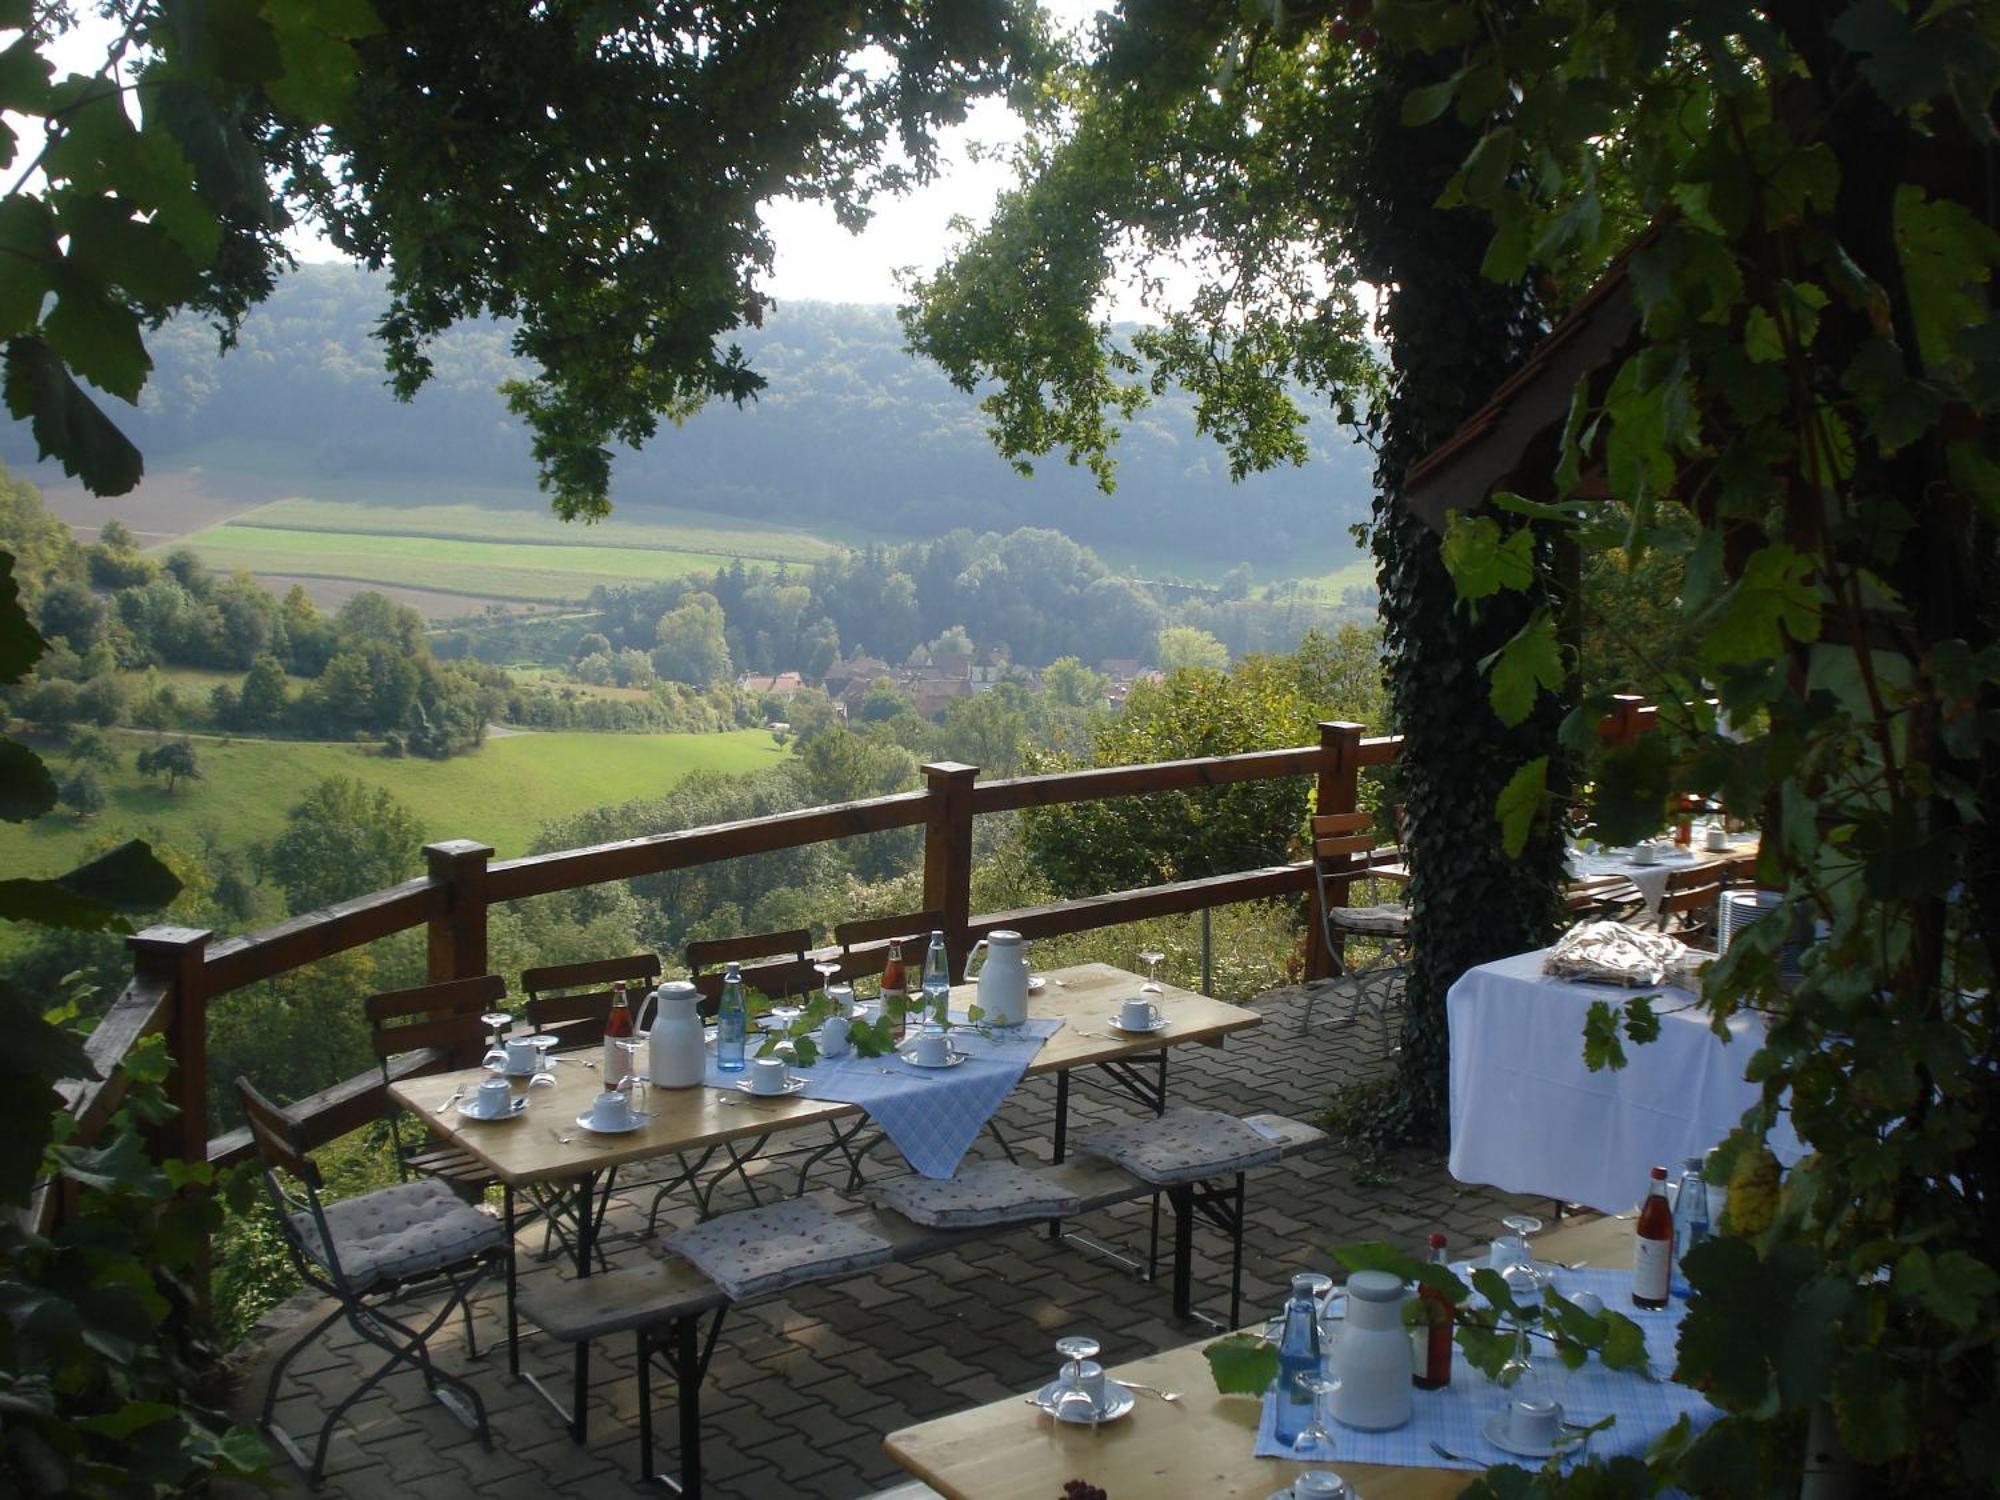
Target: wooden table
column 1199, row 1446
column 525, row 1153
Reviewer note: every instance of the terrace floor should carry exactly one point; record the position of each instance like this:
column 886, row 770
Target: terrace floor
column 804, row 1387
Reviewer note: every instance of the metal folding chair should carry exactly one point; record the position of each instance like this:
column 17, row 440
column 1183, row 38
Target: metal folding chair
column 365, row 1252
column 1345, row 853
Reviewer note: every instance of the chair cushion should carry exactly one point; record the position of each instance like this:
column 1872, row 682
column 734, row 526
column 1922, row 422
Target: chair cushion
column 1182, row 1145
column 979, row 1193
column 1387, row 921
column 756, row 1250
column 398, row 1233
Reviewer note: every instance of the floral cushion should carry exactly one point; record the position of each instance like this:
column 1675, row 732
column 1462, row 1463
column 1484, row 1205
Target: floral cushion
column 1182, row 1145
column 398, row 1233
column 980, row 1193
column 765, row 1249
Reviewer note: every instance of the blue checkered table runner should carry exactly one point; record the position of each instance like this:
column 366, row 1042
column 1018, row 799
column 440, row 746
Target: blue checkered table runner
column 1454, row 1416
column 931, row 1115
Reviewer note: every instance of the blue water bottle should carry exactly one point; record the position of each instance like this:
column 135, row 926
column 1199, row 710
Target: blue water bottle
column 937, row 983
column 1298, row 1354
column 732, row 1021
column 1690, row 1221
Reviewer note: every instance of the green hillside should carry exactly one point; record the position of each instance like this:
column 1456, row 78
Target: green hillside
column 502, row 794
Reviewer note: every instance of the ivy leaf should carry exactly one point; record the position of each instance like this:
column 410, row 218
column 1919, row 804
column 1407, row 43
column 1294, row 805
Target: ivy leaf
column 67, row 424
column 1481, row 563
column 1529, row 662
column 1773, row 603
column 1518, row 803
column 1242, row 1364
column 27, row 790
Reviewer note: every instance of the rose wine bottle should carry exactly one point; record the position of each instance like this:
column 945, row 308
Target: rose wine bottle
column 1653, row 1246
column 617, row 1061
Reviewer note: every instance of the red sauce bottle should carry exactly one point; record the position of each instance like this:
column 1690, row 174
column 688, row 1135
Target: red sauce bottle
column 895, row 986
column 1435, row 1373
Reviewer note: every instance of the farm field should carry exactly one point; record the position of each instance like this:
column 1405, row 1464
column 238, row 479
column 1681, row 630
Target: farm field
column 502, row 794
column 539, row 572
column 667, row 530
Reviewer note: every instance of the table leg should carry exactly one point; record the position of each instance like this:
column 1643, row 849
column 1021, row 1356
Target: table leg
column 1061, row 1141
column 513, row 1312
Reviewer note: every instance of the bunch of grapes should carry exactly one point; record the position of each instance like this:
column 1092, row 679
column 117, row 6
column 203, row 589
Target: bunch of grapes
column 1352, row 25
column 1082, row 1489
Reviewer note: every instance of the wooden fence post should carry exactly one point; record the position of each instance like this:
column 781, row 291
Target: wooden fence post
column 1338, row 791
column 175, row 956
column 458, row 913
column 948, row 853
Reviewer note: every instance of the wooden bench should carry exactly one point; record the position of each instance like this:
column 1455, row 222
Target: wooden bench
column 663, row 1303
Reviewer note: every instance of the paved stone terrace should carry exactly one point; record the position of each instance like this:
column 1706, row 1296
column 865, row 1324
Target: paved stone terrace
column 804, row 1387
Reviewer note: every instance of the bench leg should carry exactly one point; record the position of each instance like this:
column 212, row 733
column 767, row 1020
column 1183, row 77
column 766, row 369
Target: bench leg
column 1182, row 1198
column 688, row 1357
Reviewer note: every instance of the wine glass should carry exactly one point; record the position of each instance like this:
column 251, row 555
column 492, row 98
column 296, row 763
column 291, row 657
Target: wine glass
column 1151, row 957
column 1511, row 1249
column 630, row 1046
column 1316, row 1439
column 545, row 1069
column 499, row 1022
column 1524, row 1285
column 1071, row 1402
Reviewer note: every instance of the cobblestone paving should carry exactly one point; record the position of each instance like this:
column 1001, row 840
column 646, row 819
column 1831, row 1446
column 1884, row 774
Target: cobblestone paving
column 804, row 1387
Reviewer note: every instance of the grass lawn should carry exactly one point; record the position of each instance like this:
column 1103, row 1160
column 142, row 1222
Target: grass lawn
column 502, row 794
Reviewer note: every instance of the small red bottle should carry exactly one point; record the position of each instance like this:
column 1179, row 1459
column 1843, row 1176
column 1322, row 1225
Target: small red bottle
column 1653, row 1246
column 895, row 987
column 1435, row 1374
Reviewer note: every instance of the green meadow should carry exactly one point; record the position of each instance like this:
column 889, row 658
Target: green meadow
column 501, row 794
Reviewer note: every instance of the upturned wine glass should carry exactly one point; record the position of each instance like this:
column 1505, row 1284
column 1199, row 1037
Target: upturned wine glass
column 1151, row 957
column 499, row 1022
column 1071, row 1401
column 1315, row 1440
column 545, row 1069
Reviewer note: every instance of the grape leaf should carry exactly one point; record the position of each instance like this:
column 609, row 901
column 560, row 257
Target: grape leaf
column 67, row 424
column 1529, row 662
column 1242, row 1364
column 1519, row 802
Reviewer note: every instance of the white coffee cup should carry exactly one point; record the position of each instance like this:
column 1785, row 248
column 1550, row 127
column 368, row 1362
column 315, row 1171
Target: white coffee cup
column 1645, row 854
column 1588, row 1303
column 1138, row 1015
column 1716, row 840
column 610, row 1110
column 1319, row 1484
column 932, row 1049
column 769, row 1075
column 520, row 1055
column 494, row 1098
column 1534, row 1423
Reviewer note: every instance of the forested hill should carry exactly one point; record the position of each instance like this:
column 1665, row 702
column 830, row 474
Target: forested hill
column 851, row 433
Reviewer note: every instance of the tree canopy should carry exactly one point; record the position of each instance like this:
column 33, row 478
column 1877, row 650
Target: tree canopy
column 594, row 172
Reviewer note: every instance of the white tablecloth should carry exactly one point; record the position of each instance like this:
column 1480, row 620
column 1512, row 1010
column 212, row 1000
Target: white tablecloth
column 1528, row 1117
column 1652, row 879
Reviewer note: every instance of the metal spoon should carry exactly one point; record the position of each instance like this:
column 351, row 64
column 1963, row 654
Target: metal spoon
column 456, row 1094
column 1151, row 1390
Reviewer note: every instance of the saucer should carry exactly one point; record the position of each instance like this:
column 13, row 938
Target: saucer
column 518, row 1106
column 1495, row 1429
column 792, row 1086
column 1118, row 1402
column 952, row 1059
column 1286, row 1492
column 1117, row 1025
column 500, row 1070
column 632, row 1122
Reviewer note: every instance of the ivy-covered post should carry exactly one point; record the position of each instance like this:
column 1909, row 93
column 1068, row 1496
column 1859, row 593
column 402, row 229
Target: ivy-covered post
column 1338, row 790
column 948, row 853
column 457, row 946
column 1454, row 335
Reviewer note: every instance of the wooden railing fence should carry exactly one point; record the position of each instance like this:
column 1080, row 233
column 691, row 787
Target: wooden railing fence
column 177, row 971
